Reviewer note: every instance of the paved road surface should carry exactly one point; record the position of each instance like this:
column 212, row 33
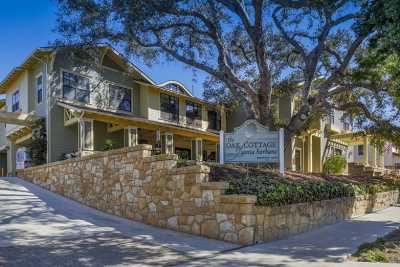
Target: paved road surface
column 40, row 228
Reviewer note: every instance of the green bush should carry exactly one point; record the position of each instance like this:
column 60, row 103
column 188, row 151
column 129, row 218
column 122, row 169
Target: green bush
column 271, row 191
column 108, row 144
column 335, row 164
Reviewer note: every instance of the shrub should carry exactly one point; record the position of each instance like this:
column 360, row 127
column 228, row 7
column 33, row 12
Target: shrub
column 283, row 192
column 335, row 164
column 108, row 144
column 272, row 191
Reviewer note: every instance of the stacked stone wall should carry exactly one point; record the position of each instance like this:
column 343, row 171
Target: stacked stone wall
column 131, row 183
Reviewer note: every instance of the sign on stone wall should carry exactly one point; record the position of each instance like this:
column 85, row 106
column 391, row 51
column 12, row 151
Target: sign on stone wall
column 252, row 143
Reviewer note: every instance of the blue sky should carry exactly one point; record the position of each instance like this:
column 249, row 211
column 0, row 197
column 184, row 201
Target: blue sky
column 28, row 24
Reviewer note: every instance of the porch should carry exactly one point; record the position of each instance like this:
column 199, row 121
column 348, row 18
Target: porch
column 365, row 158
column 99, row 131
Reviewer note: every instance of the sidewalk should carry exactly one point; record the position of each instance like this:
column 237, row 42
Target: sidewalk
column 322, row 247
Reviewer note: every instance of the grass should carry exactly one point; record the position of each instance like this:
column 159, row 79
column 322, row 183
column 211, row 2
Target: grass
column 385, row 250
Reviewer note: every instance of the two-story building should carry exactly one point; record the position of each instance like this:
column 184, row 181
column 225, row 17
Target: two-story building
column 88, row 108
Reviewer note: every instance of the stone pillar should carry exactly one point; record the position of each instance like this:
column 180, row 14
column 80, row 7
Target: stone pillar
column 366, row 146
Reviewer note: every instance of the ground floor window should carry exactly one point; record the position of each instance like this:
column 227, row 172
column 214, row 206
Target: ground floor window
column 167, row 143
column 86, row 135
column 131, row 136
column 197, row 149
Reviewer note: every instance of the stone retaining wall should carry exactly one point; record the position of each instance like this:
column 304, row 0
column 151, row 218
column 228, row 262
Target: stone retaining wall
column 131, row 183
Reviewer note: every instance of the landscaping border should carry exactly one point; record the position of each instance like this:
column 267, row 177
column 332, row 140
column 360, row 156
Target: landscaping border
column 131, row 183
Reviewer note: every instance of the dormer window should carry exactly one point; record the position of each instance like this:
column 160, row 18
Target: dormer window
column 75, row 87
column 15, row 101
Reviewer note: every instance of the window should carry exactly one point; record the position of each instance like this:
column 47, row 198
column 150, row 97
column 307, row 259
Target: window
column 120, row 98
column 39, row 89
column 197, row 149
column 193, row 112
column 167, row 143
column 169, row 107
column 75, row 87
column 214, row 122
column 131, row 136
column 86, row 135
column 15, row 101
column 360, row 149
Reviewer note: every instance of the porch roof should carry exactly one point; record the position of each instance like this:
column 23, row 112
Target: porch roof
column 123, row 119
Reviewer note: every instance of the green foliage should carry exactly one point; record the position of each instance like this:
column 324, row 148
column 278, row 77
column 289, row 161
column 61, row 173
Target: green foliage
column 335, row 164
column 279, row 192
column 372, row 255
column 108, row 144
column 38, row 145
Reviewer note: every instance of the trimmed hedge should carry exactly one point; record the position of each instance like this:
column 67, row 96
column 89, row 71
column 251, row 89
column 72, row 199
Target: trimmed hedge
column 279, row 192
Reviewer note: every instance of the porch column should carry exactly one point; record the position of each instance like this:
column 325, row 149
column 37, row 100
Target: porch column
column 382, row 159
column 366, row 156
column 310, row 153
column 374, row 156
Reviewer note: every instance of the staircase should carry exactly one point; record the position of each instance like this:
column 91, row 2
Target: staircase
column 358, row 169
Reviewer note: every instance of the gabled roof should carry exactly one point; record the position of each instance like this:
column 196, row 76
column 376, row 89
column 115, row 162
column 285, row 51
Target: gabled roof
column 132, row 68
column 32, row 59
column 41, row 52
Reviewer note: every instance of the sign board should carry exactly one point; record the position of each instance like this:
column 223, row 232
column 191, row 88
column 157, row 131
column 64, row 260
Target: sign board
column 252, row 143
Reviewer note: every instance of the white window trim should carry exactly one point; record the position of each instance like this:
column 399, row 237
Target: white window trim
column 166, row 145
column 198, row 149
column 81, row 130
column 19, row 100
column 40, row 74
column 128, row 138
